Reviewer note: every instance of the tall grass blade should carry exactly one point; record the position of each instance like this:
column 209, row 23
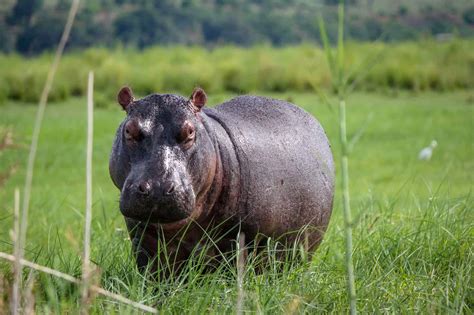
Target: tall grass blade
column 346, row 207
column 362, row 71
column 240, row 272
column 15, row 302
column 88, row 216
column 326, row 44
column 29, row 304
column 2, row 294
column 37, row 126
column 340, row 48
column 345, row 161
column 337, row 70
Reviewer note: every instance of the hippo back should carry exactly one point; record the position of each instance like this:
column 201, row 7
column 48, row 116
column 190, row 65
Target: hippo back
column 286, row 165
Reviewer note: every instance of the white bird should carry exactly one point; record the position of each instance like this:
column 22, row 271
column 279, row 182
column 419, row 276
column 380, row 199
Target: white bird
column 426, row 153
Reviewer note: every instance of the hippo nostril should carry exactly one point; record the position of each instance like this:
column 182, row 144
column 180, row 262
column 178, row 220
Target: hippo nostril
column 144, row 188
column 169, row 189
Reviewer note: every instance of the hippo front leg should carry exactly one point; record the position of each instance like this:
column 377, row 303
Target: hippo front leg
column 144, row 239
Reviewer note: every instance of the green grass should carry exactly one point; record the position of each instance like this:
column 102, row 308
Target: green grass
column 413, row 238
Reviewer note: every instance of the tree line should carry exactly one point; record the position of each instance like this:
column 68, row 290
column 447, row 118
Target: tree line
column 33, row 26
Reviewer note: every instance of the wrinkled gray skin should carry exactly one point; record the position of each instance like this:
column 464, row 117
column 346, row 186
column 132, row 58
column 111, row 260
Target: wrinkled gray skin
column 260, row 165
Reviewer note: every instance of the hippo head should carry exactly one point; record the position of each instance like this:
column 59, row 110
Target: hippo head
column 163, row 159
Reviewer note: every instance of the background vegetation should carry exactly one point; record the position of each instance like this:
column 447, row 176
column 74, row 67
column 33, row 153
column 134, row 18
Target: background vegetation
column 32, row 26
column 413, row 66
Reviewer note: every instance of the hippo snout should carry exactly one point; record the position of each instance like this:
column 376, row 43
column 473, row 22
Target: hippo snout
column 156, row 201
column 145, row 188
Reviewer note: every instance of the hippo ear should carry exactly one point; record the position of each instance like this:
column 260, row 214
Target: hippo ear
column 125, row 97
column 198, row 99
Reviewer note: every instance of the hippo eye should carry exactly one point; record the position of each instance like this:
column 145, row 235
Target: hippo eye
column 187, row 133
column 132, row 131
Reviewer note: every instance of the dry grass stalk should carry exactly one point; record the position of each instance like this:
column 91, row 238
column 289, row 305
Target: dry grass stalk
column 88, row 217
column 37, row 126
column 7, row 174
column 2, row 307
column 29, row 303
column 74, row 280
column 7, row 141
column 293, row 306
column 240, row 273
column 15, row 301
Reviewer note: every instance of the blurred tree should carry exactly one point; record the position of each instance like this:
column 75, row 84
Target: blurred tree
column 23, row 10
column 468, row 16
column 396, row 31
column 373, row 28
column 336, row 2
column 91, row 29
column 275, row 25
column 31, row 25
column 41, row 35
column 402, row 10
column 143, row 27
column 7, row 38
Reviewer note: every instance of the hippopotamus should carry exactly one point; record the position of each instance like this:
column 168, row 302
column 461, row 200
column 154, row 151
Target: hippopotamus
column 253, row 165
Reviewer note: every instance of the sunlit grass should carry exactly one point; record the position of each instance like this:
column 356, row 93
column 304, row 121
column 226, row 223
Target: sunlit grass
column 412, row 242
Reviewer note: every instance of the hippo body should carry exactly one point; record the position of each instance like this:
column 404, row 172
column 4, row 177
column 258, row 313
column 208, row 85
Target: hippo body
column 268, row 167
column 285, row 165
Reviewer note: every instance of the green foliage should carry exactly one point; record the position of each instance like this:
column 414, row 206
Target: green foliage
column 415, row 66
column 413, row 248
column 23, row 11
column 468, row 16
column 31, row 26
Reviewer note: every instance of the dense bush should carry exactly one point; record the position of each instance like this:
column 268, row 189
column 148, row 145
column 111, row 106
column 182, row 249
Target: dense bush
column 416, row 66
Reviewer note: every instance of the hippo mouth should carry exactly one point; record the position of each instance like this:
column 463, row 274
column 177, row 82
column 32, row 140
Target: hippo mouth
column 156, row 214
column 166, row 210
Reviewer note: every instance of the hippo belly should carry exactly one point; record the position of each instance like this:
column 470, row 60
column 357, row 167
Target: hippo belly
column 286, row 166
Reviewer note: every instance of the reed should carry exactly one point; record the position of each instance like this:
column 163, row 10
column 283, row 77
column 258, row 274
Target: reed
column 36, row 131
column 241, row 254
column 86, row 272
column 337, row 66
column 15, row 301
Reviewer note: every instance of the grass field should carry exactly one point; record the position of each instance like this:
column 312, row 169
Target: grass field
column 413, row 238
